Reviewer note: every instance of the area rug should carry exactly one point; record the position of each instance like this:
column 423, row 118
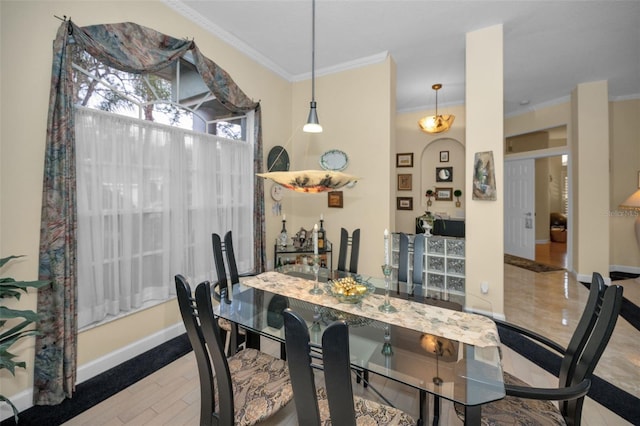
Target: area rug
column 529, row 264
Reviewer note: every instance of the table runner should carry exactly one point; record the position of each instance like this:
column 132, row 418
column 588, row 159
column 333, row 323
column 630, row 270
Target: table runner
column 464, row 327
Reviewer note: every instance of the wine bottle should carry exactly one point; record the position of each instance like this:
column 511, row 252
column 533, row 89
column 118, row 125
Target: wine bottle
column 321, row 236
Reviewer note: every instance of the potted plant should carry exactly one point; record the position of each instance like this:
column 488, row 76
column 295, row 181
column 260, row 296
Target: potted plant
column 457, row 193
column 11, row 289
column 429, row 194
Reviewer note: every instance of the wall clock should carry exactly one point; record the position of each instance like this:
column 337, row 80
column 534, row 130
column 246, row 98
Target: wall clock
column 277, row 192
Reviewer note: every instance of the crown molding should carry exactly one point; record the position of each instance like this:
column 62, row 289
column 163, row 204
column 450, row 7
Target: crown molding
column 227, row 37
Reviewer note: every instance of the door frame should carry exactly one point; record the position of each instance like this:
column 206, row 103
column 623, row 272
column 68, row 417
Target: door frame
column 554, row 152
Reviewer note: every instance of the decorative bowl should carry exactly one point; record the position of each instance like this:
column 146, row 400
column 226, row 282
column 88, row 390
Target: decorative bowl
column 349, row 289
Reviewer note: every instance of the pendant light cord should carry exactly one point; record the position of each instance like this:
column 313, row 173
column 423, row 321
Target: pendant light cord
column 313, row 51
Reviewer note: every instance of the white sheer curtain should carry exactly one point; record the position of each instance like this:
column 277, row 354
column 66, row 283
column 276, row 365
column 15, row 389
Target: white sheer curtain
column 149, row 197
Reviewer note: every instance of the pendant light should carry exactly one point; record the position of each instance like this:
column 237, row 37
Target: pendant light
column 436, row 123
column 313, row 125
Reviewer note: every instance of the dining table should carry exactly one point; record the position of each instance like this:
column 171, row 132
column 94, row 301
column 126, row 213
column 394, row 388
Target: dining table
column 450, row 354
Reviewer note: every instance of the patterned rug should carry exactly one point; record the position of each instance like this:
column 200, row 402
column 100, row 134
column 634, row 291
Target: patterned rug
column 529, row 264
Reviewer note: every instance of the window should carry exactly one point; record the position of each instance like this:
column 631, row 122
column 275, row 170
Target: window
column 153, row 185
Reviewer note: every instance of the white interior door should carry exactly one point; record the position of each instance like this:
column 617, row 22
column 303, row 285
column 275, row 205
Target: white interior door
column 519, row 208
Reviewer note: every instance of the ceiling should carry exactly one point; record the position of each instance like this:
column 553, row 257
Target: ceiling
column 549, row 46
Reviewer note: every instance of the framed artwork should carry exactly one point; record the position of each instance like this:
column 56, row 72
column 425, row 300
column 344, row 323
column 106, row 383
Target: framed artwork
column 335, row 199
column 404, row 159
column 444, row 194
column 444, row 174
column 444, row 156
column 404, row 203
column 484, row 177
column 405, row 182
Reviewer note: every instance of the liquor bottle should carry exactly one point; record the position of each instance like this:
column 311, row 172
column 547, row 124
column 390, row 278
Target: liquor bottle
column 321, row 236
column 283, row 239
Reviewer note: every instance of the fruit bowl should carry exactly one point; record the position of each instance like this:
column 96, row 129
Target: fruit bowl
column 349, row 289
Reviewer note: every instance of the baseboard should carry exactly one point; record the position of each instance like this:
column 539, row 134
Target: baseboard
column 486, row 313
column 545, row 241
column 24, row 400
column 626, row 269
column 584, row 278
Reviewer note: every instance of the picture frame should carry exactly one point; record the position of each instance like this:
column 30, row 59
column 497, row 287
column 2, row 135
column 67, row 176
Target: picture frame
column 444, row 194
column 404, row 159
column 405, row 182
column 444, row 174
column 484, row 177
column 335, row 199
column 404, row 203
column 444, row 156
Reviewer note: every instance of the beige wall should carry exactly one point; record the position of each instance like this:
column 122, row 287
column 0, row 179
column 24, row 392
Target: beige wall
column 26, row 67
column 426, row 150
column 354, row 108
column 625, row 164
column 485, row 132
column 590, row 176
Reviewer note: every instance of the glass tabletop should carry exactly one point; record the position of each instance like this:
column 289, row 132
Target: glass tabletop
column 460, row 372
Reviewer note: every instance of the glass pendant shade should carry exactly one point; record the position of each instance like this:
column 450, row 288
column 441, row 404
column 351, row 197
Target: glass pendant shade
column 436, row 123
column 313, row 125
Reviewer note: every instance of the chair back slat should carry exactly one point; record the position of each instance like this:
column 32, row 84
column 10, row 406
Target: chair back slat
column 355, row 251
column 211, row 334
column 583, row 330
column 337, row 373
column 347, row 242
column 596, row 344
column 191, row 322
column 403, row 259
column 234, row 278
column 299, row 361
column 418, row 259
column 218, row 259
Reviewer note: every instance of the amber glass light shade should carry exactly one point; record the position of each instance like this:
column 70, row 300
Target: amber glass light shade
column 436, row 123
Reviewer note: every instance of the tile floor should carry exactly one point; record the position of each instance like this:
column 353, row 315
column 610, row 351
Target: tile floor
column 549, row 303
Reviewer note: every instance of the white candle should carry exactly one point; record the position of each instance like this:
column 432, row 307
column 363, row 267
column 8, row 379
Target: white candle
column 284, row 217
column 315, row 239
column 321, row 216
column 387, row 261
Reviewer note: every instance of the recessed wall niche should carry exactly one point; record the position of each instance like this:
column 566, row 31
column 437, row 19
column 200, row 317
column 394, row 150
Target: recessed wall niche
column 429, row 161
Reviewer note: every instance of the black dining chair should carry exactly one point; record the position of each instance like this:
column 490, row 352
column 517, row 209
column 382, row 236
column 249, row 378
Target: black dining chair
column 524, row 405
column 241, row 389
column 224, row 287
column 403, row 260
column 347, row 241
column 335, row 404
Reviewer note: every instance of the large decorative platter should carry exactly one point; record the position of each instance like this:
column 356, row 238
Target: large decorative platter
column 334, row 160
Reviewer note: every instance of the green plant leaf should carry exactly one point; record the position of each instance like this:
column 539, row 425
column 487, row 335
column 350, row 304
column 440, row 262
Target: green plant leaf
column 13, row 407
column 8, row 313
column 4, row 260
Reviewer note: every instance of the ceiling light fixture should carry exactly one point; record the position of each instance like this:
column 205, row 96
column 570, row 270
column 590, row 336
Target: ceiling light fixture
column 436, row 123
column 313, row 125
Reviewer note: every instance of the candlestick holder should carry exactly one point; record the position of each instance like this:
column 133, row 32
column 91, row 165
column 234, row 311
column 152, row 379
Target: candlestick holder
column 387, row 349
column 386, row 306
column 316, row 268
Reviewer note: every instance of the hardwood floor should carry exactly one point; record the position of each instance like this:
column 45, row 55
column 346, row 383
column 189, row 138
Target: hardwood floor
column 554, row 254
column 549, row 303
